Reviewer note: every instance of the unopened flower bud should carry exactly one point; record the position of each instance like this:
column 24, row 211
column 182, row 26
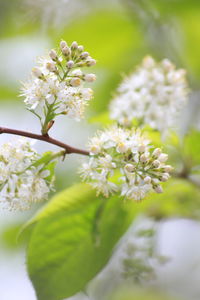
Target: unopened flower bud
column 63, row 44
column 90, row 77
column 147, row 179
column 77, row 73
column 165, row 177
column 141, row 148
column 70, row 64
column 75, row 82
column 37, row 72
column 155, row 181
column 158, row 189
column 84, row 54
column 157, row 152
column 80, row 48
column 66, row 51
column 80, row 64
column 74, row 45
column 143, row 158
column 53, row 54
column 163, row 157
column 156, row 163
column 129, row 168
column 168, row 168
column 91, row 62
column 148, row 62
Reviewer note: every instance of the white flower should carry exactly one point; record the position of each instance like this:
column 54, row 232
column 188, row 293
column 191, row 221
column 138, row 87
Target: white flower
column 131, row 172
column 21, row 183
column 105, row 187
column 57, row 86
column 154, row 94
column 67, row 100
column 38, row 92
column 135, row 192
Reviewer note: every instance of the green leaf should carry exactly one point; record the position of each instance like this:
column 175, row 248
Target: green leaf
column 74, row 235
column 9, row 237
column 47, row 163
column 71, row 242
column 46, row 157
column 51, row 167
column 73, row 198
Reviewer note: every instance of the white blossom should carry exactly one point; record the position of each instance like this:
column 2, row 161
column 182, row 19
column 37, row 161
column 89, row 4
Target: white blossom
column 154, row 95
column 21, row 183
column 139, row 256
column 117, row 164
column 67, row 100
column 57, row 85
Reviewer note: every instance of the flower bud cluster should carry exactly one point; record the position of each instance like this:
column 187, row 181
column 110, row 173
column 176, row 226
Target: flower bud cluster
column 156, row 91
column 57, row 83
column 75, row 55
column 128, row 156
column 22, row 181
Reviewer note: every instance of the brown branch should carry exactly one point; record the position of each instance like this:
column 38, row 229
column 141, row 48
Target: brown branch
column 44, row 138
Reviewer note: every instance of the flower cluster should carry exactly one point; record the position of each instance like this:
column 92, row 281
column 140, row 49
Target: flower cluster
column 126, row 156
column 57, row 84
column 140, row 256
column 154, row 95
column 22, row 181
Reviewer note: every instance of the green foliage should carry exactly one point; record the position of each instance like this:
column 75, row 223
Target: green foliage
column 184, row 154
column 45, row 159
column 180, row 199
column 133, row 293
column 73, row 239
column 191, row 148
column 74, row 235
column 175, row 6
column 47, row 163
column 9, row 237
column 189, row 23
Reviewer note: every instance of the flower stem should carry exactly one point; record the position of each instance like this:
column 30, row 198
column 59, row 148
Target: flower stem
column 45, row 138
